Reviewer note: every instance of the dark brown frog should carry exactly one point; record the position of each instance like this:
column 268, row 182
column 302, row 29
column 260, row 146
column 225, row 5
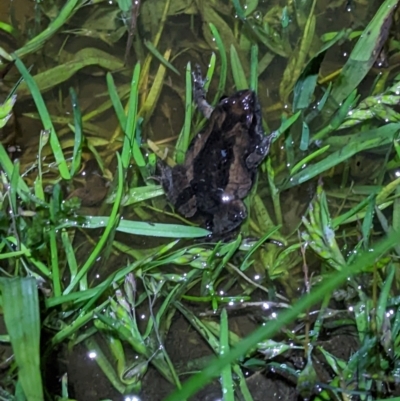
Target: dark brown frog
column 221, row 162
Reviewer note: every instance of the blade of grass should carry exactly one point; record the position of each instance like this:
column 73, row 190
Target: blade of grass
column 239, row 76
column 146, row 65
column 298, row 166
column 116, row 101
column 22, row 319
column 224, row 63
column 297, row 60
column 164, row 60
column 70, row 256
column 226, row 374
column 184, row 137
column 151, row 101
column 130, row 144
column 374, row 138
column 38, row 41
column 77, row 153
column 365, row 52
column 46, row 120
column 105, row 365
column 141, row 228
column 254, row 68
column 39, row 192
column 61, row 73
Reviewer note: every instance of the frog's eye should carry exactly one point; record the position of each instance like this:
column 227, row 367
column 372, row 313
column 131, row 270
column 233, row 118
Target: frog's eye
column 223, row 98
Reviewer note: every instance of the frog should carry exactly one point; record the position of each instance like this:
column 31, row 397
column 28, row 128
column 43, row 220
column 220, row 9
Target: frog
column 221, row 162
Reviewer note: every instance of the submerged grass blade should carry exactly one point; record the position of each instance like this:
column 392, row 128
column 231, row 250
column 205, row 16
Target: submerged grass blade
column 116, row 101
column 105, row 365
column 160, row 57
column 46, row 120
column 61, row 73
column 238, row 73
column 54, row 259
column 22, row 319
column 371, row 139
column 254, row 68
column 77, row 153
column 184, row 137
column 155, row 91
column 224, row 63
column 297, row 61
column 38, row 41
column 130, row 142
column 365, row 52
column 143, row 228
column 226, row 375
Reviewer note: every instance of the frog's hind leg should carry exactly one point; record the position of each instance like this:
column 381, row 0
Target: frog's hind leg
column 199, row 93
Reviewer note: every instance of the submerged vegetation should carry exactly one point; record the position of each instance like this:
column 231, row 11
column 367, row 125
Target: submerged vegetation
column 107, row 293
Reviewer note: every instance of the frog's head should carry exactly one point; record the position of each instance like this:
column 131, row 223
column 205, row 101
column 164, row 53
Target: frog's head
column 242, row 107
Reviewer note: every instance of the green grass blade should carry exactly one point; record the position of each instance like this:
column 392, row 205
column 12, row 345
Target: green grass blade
column 70, row 255
column 130, row 142
column 384, row 296
column 339, row 116
column 142, row 228
column 13, row 189
column 39, row 191
column 226, row 375
column 61, row 73
column 342, row 219
column 239, row 76
column 371, row 139
column 46, row 120
column 297, row 60
column 305, row 85
column 55, row 268
column 8, row 167
column 160, row 57
column 105, row 365
column 367, row 223
column 116, row 101
column 254, row 68
column 22, row 319
column 155, row 91
column 365, row 52
column 138, row 194
column 38, row 41
column 298, row 166
column 224, row 63
column 77, row 153
column 184, row 137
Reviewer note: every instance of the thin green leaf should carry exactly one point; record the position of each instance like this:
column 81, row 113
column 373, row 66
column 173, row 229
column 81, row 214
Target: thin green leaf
column 22, row 319
column 46, row 120
column 365, row 52
column 239, row 76
column 160, row 57
column 77, row 153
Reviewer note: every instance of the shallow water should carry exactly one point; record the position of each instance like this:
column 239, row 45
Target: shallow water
column 184, row 34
